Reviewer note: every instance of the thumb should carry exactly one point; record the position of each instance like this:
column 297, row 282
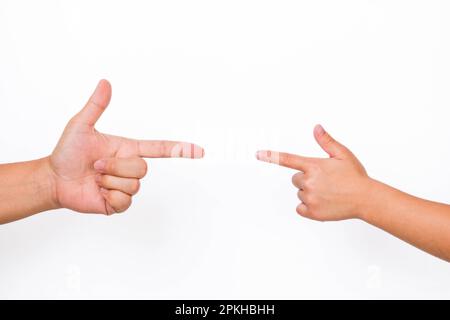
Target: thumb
column 97, row 103
column 328, row 144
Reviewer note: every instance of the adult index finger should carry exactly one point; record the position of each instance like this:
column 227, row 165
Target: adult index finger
column 169, row 149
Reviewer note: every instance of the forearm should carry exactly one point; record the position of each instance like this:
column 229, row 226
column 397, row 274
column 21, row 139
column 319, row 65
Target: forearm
column 424, row 224
column 26, row 188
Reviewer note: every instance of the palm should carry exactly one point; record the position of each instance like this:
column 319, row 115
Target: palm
column 72, row 161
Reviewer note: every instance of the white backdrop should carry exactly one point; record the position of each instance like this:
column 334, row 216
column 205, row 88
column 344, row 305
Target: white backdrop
column 233, row 76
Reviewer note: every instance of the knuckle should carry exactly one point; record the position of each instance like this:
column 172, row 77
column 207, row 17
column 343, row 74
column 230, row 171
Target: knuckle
column 311, row 201
column 302, row 209
column 127, row 203
column 111, row 166
column 296, row 178
column 144, row 168
column 123, row 205
column 135, row 186
column 105, row 180
column 72, row 121
column 327, row 138
column 314, row 167
column 308, row 184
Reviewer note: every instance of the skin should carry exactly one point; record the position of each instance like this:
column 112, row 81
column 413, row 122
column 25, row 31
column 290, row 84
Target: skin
column 87, row 172
column 338, row 188
column 92, row 172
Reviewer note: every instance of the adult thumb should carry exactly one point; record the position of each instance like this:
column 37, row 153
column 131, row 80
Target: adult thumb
column 328, row 144
column 97, row 103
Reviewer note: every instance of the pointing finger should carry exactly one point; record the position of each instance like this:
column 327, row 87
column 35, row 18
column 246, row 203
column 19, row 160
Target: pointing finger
column 284, row 159
column 169, row 149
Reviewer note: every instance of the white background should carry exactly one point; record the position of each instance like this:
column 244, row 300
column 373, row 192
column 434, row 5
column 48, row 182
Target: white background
column 233, row 76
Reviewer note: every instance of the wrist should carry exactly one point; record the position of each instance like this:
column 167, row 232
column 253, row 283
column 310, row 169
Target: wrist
column 45, row 177
column 366, row 198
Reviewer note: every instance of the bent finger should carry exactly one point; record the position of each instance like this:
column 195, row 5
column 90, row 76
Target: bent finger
column 298, row 179
column 301, row 196
column 127, row 185
column 122, row 167
column 117, row 200
column 302, row 209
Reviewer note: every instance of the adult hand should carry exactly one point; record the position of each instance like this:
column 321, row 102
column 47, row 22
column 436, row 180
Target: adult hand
column 99, row 173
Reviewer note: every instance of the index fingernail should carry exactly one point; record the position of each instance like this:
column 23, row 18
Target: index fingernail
column 195, row 152
column 262, row 155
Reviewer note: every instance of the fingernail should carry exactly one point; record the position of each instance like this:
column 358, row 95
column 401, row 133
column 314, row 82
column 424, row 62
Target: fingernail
column 197, row 152
column 263, row 155
column 194, row 152
column 95, row 94
column 320, row 129
column 267, row 156
column 100, row 165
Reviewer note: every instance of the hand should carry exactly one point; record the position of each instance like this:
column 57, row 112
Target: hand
column 329, row 189
column 99, row 173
